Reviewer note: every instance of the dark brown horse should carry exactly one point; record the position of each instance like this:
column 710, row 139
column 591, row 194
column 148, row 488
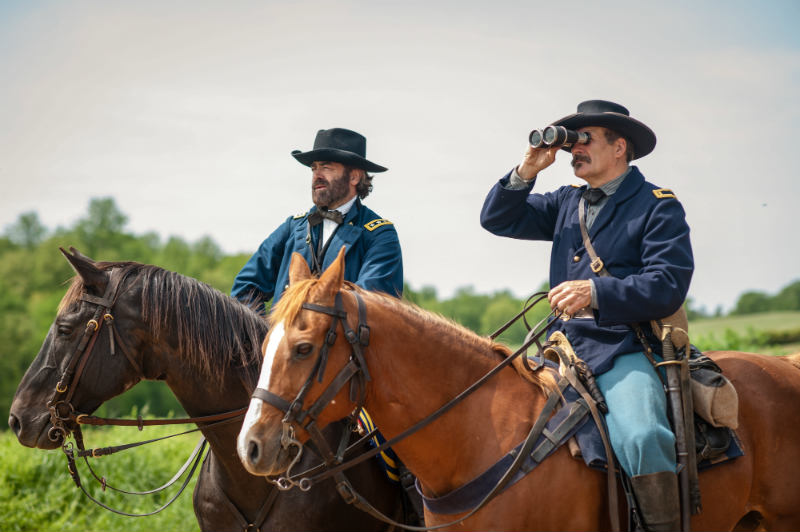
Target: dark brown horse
column 206, row 347
column 418, row 361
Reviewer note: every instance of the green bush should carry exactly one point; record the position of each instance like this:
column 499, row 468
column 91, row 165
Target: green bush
column 783, row 337
column 751, row 340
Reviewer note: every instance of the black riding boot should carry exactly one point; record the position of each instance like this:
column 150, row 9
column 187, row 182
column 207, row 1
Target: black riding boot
column 659, row 502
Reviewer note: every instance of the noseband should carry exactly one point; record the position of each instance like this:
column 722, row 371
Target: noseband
column 355, row 372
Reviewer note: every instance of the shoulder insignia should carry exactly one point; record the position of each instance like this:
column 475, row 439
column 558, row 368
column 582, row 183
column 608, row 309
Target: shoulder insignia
column 374, row 224
column 298, row 216
column 662, row 193
column 573, row 185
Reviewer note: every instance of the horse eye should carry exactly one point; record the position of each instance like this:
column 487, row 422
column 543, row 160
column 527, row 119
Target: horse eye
column 303, row 350
column 63, row 330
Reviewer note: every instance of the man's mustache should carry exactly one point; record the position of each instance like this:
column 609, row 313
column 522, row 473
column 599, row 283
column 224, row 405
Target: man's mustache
column 580, row 158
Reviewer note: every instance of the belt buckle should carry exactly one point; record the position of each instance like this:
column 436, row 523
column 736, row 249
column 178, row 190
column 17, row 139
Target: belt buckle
column 597, row 265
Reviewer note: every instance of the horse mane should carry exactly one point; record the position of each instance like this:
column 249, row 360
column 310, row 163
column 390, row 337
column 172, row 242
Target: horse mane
column 293, row 298
column 215, row 333
column 291, row 302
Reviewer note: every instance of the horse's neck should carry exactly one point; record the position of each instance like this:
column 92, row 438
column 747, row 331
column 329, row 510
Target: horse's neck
column 199, row 391
column 413, row 379
column 202, row 395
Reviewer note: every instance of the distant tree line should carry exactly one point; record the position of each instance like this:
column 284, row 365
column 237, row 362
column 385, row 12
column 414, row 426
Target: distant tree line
column 34, row 277
column 787, row 298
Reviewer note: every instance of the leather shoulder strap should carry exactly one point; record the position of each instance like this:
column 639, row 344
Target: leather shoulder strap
column 597, row 263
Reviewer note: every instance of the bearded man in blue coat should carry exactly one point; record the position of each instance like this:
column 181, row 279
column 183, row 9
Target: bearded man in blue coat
column 639, row 231
column 339, row 181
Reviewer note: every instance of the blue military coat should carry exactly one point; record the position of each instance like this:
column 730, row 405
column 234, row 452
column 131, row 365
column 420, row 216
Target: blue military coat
column 373, row 259
column 640, row 234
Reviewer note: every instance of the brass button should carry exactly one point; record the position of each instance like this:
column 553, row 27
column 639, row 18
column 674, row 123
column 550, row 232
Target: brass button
column 576, row 258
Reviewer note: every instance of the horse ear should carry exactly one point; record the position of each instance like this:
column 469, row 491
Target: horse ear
column 298, row 269
column 92, row 276
column 332, row 279
column 77, row 253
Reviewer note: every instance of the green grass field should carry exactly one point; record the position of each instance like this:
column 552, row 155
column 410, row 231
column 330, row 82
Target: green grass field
column 742, row 332
column 37, row 492
column 777, row 321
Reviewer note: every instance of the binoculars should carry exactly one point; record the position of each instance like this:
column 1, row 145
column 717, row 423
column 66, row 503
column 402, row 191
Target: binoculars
column 557, row 136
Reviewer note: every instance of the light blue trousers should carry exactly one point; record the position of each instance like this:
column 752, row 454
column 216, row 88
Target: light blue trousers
column 637, row 421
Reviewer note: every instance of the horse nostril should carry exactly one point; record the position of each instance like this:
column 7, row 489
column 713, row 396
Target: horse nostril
column 252, row 452
column 14, row 424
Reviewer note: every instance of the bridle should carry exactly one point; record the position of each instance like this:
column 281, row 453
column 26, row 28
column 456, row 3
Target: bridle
column 355, row 372
column 356, row 368
column 66, row 420
column 63, row 415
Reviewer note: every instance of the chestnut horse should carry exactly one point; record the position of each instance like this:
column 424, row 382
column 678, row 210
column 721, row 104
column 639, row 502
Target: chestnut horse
column 418, row 361
column 206, row 347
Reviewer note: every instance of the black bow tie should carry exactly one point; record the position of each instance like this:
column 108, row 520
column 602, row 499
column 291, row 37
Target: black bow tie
column 593, row 195
column 317, row 216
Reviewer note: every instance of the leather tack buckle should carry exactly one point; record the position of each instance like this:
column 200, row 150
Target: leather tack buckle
column 346, row 491
column 330, row 337
column 363, row 334
column 597, row 265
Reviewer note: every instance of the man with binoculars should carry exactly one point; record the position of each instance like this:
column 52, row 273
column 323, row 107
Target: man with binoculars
column 621, row 255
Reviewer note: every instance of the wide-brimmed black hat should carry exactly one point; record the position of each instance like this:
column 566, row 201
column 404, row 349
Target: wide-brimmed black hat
column 339, row 145
column 615, row 117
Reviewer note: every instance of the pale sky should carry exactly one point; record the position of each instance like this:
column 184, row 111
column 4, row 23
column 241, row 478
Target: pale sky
column 185, row 112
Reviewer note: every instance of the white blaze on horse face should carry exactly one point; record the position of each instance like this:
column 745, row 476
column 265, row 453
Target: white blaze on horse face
column 254, row 411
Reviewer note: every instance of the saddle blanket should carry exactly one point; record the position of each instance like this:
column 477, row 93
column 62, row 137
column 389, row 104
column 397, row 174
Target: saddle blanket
column 559, row 430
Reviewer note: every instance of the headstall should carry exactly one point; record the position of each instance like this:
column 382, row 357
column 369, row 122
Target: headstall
column 66, row 420
column 355, row 372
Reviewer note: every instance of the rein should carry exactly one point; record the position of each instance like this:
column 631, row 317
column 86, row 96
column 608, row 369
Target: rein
column 357, row 367
column 67, row 421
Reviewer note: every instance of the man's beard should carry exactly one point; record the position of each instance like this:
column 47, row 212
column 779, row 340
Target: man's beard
column 334, row 193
